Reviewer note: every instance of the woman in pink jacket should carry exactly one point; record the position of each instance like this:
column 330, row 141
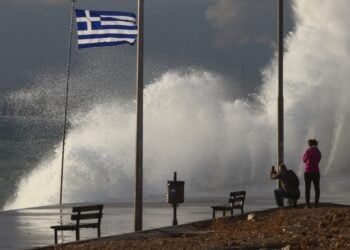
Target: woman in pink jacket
column 311, row 159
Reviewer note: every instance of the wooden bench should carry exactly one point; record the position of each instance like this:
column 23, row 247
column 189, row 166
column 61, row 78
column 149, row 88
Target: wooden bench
column 92, row 213
column 236, row 201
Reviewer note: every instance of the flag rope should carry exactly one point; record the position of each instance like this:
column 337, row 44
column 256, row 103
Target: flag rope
column 66, row 104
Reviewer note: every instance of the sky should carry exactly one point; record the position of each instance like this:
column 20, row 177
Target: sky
column 234, row 38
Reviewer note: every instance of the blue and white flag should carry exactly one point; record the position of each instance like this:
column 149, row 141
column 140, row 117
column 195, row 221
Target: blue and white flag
column 105, row 28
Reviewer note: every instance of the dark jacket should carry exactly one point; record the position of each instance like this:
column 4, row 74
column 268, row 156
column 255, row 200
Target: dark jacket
column 289, row 181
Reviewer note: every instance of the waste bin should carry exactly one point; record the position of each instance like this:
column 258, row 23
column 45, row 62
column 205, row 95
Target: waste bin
column 175, row 192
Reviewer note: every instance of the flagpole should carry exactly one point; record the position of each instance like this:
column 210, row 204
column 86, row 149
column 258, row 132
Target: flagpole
column 139, row 121
column 280, row 108
column 66, row 100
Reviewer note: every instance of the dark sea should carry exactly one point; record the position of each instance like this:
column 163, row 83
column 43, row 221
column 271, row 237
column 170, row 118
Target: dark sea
column 24, row 142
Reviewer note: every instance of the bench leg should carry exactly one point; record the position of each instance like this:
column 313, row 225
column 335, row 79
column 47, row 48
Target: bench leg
column 232, row 212
column 213, row 213
column 98, row 232
column 77, row 234
column 55, row 237
column 224, row 212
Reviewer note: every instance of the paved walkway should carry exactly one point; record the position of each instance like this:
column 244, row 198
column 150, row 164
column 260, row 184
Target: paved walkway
column 30, row 228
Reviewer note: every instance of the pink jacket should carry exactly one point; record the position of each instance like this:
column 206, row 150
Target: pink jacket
column 311, row 158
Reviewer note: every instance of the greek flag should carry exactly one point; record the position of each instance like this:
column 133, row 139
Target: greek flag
column 105, row 28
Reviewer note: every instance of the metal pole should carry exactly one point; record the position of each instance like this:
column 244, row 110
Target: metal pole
column 175, row 204
column 280, row 151
column 66, row 100
column 174, row 214
column 139, row 121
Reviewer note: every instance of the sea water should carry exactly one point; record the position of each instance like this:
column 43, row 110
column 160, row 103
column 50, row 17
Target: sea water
column 24, row 142
column 28, row 228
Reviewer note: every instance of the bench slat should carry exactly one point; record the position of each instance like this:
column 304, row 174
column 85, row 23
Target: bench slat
column 87, row 208
column 89, row 225
column 236, row 199
column 64, row 227
column 86, row 216
column 219, row 207
column 74, row 226
column 237, row 193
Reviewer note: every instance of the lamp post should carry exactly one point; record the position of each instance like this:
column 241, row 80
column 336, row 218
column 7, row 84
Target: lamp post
column 139, row 121
column 280, row 105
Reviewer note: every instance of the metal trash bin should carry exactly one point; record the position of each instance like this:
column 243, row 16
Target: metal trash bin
column 175, row 196
column 176, row 192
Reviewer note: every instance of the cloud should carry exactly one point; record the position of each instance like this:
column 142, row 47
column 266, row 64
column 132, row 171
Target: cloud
column 38, row 2
column 238, row 22
column 52, row 2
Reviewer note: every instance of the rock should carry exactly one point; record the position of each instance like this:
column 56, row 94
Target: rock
column 251, row 217
column 288, row 247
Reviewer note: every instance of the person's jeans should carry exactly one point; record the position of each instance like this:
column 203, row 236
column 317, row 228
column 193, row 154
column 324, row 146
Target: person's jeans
column 315, row 179
column 280, row 194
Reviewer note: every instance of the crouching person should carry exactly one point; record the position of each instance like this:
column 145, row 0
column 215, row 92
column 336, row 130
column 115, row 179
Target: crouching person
column 289, row 185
